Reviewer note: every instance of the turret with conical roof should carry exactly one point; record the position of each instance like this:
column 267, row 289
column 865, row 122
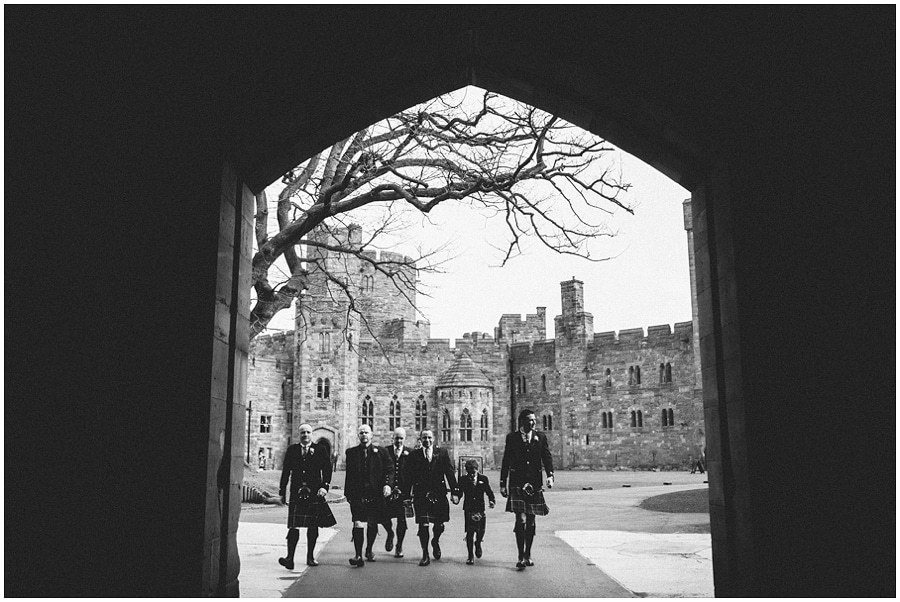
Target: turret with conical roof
column 465, row 398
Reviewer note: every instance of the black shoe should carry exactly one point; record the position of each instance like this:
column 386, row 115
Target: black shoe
column 470, row 560
column 311, row 562
column 389, row 542
column 520, row 564
column 358, row 562
column 478, row 549
column 528, row 562
column 399, row 552
column 286, row 563
column 370, row 556
column 425, row 560
column 437, row 549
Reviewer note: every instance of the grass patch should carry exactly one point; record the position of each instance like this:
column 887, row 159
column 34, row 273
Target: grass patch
column 693, row 500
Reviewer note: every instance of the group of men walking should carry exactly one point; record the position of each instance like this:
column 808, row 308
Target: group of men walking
column 395, row 483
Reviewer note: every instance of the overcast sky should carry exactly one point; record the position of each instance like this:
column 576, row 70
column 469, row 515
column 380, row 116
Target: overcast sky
column 645, row 282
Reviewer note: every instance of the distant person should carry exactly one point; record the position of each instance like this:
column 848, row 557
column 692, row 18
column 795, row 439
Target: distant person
column 334, row 460
column 473, row 487
column 398, row 505
column 369, row 474
column 308, row 469
column 429, row 468
column 525, row 456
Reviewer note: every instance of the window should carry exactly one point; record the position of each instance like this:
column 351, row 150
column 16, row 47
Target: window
column 518, row 385
column 668, row 417
column 326, row 394
column 587, row 439
column 630, row 375
column 484, row 425
column 465, row 426
column 550, row 422
column 608, row 378
column 394, row 417
column 265, row 423
column 543, row 382
column 367, row 412
column 421, row 412
column 544, row 422
column 327, row 342
column 321, row 342
column 668, row 372
column 662, row 373
column 633, row 418
column 640, row 419
column 320, row 388
column 286, row 389
column 606, row 421
column 445, row 426
column 637, row 375
column 523, row 385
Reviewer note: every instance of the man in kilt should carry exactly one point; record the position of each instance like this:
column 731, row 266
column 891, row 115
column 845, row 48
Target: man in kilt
column 428, row 468
column 474, row 487
column 524, row 457
column 369, row 475
column 398, row 506
column 308, row 468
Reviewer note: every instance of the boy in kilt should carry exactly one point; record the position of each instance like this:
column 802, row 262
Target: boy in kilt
column 398, row 506
column 474, row 486
column 525, row 456
column 369, row 475
column 308, row 468
column 428, row 468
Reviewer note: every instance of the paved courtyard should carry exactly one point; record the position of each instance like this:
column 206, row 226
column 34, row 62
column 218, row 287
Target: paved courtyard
column 594, row 543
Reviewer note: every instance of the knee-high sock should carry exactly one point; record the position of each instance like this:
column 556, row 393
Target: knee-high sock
column 312, row 534
column 529, row 538
column 423, row 538
column 479, row 534
column 438, row 529
column 371, row 534
column 401, row 531
column 469, row 537
column 519, row 530
column 293, row 537
column 358, row 540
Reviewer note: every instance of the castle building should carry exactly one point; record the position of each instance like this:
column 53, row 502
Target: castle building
column 605, row 400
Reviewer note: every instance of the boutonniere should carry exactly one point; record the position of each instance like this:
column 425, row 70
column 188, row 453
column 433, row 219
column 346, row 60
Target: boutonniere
column 374, row 450
column 312, row 450
column 405, row 453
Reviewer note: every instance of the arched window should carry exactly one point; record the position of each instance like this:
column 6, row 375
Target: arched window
column 587, row 439
column 550, row 422
column 668, row 372
column 630, row 375
column 543, row 382
column 633, row 418
column 484, row 425
column 603, row 423
column 544, row 422
column 326, row 393
column 321, row 342
column 671, row 413
column 607, row 420
column 518, row 385
column 637, row 375
column 319, row 388
column 327, row 342
column 662, row 373
column 421, row 412
column 608, row 377
column 665, row 418
column 445, row 426
column 367, row 412
column 524, row 390
column 394, row 418
column 465, row 426
column 640, row 419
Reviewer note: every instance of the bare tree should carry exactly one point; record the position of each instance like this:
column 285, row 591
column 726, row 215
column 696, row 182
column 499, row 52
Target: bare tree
column 507, row 160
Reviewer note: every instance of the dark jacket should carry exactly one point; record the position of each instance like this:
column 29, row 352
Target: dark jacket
column 423, row 476
column 473, row 493
column 313, row 470
column 401, row 465
column 522, row 463
column 359, row 481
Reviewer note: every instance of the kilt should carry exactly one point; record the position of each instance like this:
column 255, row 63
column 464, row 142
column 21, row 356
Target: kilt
column 371, row 511
column 398, row 509
column 310, row 513
column 518, row 502
column 438, row 512
column 474, row 525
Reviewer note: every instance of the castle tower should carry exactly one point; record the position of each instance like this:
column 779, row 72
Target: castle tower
column 575, row 326
column 326, row 373
column 465, row 410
